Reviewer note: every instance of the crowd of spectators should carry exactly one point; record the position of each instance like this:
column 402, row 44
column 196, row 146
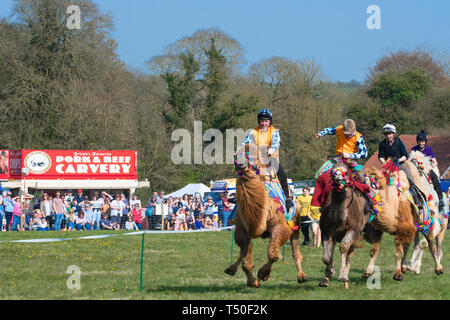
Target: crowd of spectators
column 67, row 212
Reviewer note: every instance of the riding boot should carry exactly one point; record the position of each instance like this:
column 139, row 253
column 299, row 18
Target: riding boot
column 284, row 185
column 368, row 206
column 437, row 187
column 414, row 190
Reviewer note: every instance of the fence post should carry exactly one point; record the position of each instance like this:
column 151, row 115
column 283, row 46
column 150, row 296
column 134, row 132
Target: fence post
column 142, row 260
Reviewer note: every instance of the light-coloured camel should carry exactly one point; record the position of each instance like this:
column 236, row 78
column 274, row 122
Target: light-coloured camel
column 259, row 215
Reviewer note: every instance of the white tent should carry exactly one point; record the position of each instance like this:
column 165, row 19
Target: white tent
column 190, row 189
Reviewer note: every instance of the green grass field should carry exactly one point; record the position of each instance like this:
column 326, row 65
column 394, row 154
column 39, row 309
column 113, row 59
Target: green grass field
column 190, row 267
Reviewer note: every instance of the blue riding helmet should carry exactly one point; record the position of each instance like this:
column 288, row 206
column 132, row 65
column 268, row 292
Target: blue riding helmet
column 265, row 114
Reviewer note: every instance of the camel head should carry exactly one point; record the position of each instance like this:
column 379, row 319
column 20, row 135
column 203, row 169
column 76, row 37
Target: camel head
column 246, row 160
column 422, row 162
column 339, row 176
column 375, row 178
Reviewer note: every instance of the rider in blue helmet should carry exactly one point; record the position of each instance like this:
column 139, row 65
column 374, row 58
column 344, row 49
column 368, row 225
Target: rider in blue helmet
column 266, row 135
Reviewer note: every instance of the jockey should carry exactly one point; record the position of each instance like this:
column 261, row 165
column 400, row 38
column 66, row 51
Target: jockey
column 392, row 147
column 422, row 146
column 350, row 143
column 266, row 135
column 351, row 146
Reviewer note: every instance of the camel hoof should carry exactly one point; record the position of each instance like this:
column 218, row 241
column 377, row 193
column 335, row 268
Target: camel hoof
column 324, row 283
column 367, row 275
column 404, row 269
column 230, row 271
column 253, row 284
column 343, row 279
column 302, row 278
column 398, row 276
column 439, row 271
column 264, row 274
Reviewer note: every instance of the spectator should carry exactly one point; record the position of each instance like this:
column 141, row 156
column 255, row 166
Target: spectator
column 198, row 205
column 125, row 210
column 180, row 223
column 96, row 205
column 2, row 212
column 209, row 224
column 185, row 200
column 305, row 208
column 106, row 223
column 46, row 206
column 9, row 208
column 190, row 220
column 170, row 225
column 136, row 215
column 134, row 201
column 152, row 204
column 226, row 209
column 71, row 219
column 160, row 197
column 199, row 223
column 38, row 223
column 80, row 221
column 105, row 196
column 79, row 199
column 69, row 197
column 15, row 223
column 116, row 211
column 209, row 207
column 130, row 224
column 90, row 216
column 58, row 209
column 106, row 205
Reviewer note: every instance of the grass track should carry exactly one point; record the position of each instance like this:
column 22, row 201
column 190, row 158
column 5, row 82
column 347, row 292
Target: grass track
column 190, row 267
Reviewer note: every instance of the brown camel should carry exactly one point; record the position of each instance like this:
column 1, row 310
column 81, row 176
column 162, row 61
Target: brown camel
column 420, row 166
column 342, row 221
column 395, row 217
column 258, row 215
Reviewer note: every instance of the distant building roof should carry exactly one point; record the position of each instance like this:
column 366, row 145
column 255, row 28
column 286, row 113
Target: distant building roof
column 439, row 144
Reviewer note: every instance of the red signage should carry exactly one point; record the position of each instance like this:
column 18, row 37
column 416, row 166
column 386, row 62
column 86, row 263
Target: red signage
column 4, row 164
column 73, row 164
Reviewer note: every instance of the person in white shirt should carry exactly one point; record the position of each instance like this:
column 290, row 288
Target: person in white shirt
column 117, row 207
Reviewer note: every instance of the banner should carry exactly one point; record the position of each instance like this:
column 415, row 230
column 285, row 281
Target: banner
column 73, row 164
column 4, row 164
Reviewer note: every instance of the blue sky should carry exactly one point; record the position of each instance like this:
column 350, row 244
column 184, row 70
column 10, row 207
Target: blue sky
column 331, row 32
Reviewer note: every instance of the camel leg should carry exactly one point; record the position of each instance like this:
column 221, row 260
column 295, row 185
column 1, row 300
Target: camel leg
column 327, row 257
column 398, row 253
column 403, row 237
column 247, row 266
column 414, row 263
column 279, row 235
column 242, row 240
column 297, row 256
column 344, row 249
column 438, row 269
column 373, row 236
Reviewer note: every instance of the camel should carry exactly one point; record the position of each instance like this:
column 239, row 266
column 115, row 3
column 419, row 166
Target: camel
column 342, row 220
column 398, row 217
column 395, row 217
column 417, row 160
column 259, row 215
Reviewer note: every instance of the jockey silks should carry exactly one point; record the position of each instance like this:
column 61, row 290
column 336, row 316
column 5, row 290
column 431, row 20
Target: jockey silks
column 344, row 144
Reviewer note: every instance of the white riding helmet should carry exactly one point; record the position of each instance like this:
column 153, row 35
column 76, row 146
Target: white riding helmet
column 389, row 128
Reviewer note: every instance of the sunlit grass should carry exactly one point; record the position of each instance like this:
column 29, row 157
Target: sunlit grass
column 190, row 266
